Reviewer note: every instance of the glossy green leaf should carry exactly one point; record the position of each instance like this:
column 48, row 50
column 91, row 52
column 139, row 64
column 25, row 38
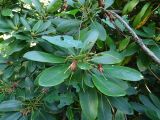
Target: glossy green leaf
column 16, row 19
column 7, row 12
column 44, row 26
column 146, row 101
column 130, row 6
column 27, row 1
column 11, row 24
column 102, row 32
column 90, row 40
column 107, row 87
column 37, row 26
column 122, row 104
column 65, row 25
column 89, row 103
column 137, row 107
column 24, row 118
column 65, row 99
column 84, row 65
column 104, row 109
column 108, row 57
column 110, row 43
column 152, row 114
column 37, row 5
column 63, row 41
column 43, row 57
column 88, row 80
column 53, row 76
column 13, row 116
column 119, row 115
column 10, row 105
column 156, row 50
column 155, row 100
column 123, row 84
column 139, row 16
column 25, row 23
column 29, row 88
column 124, row 43
column 130, row 50
column 124, row 73
column 140, row 65
column 54, row 6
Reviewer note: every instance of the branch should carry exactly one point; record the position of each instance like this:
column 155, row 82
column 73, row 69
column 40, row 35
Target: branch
column 136, row 38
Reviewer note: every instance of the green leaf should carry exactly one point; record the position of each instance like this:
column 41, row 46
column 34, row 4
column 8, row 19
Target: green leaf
column 44, row 26
column 123, row 84
column 99, row 27
column 25, row 23
column 141, row 65
column 37, row 5
column 123, row 44
column 4, row 24
column 156, row 50
column 7, row 12
column 64, row 41
column 145, row 100
column 11, row 24
column 108, row 3
column 124, row 73
column 53, row 76
column 65, row 99
column 119, row 115
column 10, row 105
column 27, row 1
column 137, row 107
column 155, row 100
column 84, row 65
column 67, row 25
column 72, row 12
column 90, row 40
column 122, row 104
column 129, row 6
column 107, row 87
column 88, row 80
column 43, row 57
column 29, row 88
column 89, row 103
column 104, row 109
column 110, row 43
column 23, row 118
column 140, row 15
column 37, row 26
column 13, row 47
column 108, row 57
column 13, row 116
column 70, row 113
column 16, row 19
column 50, row 30
column 153, row 115
column 54, row 6
column 130, row 50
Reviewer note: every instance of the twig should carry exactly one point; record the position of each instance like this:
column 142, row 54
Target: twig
column 136, row 38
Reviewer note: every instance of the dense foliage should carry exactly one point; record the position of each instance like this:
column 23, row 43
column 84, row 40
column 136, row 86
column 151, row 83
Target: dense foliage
column 71, row 60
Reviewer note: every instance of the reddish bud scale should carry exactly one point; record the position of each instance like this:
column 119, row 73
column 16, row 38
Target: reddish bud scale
column 100, row 68
column 73, row 65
